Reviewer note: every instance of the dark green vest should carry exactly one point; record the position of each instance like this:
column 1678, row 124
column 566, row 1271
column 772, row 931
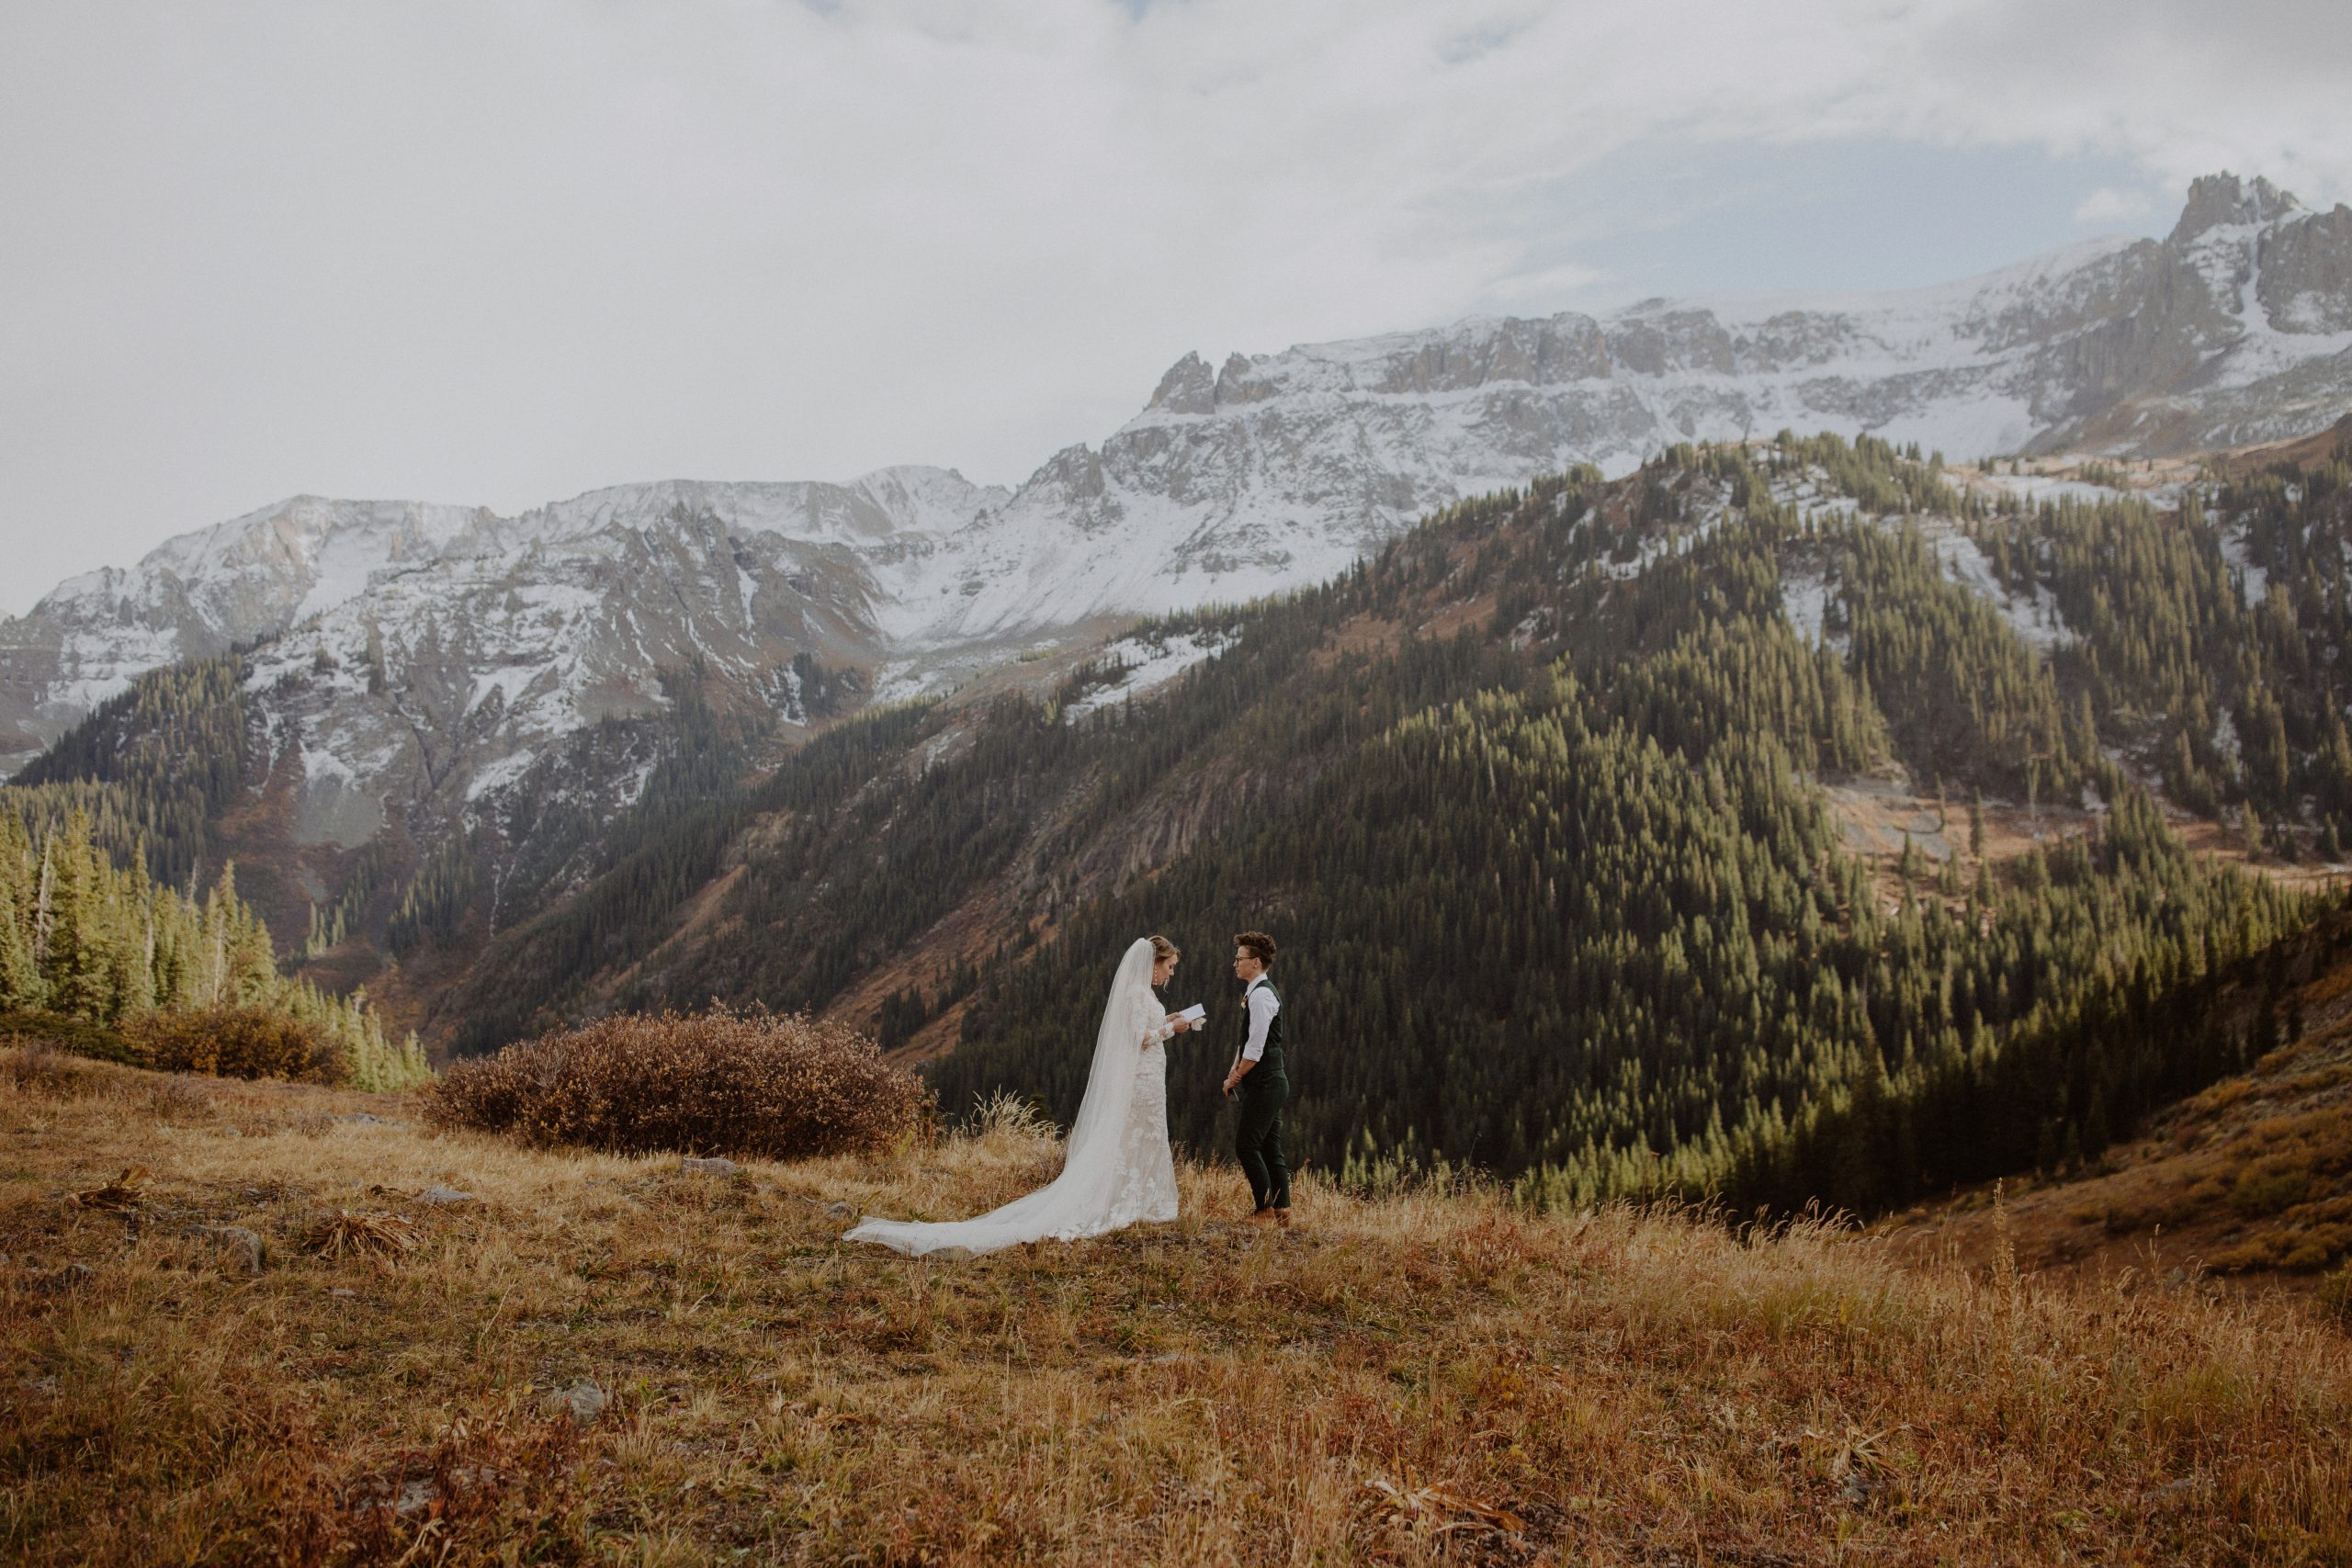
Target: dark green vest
column 1269, row 1064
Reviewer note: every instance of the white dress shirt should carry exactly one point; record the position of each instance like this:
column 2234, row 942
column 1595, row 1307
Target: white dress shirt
column 1263, row 1005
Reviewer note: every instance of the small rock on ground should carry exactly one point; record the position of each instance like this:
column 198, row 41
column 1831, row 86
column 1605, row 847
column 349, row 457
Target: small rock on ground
column 241, row 1249
column 73, row 1276
column 369, row 1119
column 718, row 1166
column 583, row 1402
column 440, row 1194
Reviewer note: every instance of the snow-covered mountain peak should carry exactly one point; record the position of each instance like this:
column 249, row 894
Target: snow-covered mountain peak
column 871, row 507
column 255, row 574
column 2223, row 200
column 1189, row 388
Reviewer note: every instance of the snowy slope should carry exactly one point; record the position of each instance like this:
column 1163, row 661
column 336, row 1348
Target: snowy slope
column 1276, row 469
column 594, row 594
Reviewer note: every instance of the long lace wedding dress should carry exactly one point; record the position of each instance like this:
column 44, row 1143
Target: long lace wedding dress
column 1119, row 1169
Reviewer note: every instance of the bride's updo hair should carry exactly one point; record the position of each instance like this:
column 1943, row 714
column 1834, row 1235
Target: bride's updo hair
column 1162, row 950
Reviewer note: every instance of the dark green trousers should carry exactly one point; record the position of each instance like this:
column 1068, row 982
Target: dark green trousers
column 1259, row 1138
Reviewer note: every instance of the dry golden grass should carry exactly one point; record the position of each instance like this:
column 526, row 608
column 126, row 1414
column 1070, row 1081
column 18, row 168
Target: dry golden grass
column 1430, row 1377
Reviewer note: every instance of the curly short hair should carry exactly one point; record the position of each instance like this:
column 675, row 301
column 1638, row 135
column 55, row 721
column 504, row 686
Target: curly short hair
column 1257, row 945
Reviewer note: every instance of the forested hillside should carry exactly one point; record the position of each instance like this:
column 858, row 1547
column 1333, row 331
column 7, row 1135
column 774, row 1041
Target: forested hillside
column 1552, row 804
column 85, row 939
column 1593, row 927
column 1534, row 800
column 105, row 840
column 2250, row 1175
column 152, row 767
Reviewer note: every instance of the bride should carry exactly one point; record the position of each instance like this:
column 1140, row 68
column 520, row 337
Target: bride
column 1118, row 1170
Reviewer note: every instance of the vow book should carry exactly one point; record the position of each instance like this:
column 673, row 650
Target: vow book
column 1194, row 1013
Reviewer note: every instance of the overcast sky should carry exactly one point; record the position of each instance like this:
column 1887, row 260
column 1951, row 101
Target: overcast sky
column 503, row 251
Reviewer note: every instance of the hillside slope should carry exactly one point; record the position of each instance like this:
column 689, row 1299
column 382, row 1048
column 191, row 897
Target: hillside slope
column 1792, row 820
column 2250, row 1177
column 1419, row 1377
column 1566, row 808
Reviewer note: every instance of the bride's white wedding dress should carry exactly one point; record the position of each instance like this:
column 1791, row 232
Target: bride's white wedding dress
column 1119, row 1169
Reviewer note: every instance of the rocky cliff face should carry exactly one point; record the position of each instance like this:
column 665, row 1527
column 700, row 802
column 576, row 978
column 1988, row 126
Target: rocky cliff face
column 436, row 652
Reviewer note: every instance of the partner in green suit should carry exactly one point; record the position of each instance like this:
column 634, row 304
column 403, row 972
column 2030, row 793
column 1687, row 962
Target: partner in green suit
column 1259, row 1078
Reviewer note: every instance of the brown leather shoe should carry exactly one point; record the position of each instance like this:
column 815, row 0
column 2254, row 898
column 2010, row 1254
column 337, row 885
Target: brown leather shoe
column 1281, row 1218
column 1262, row 1217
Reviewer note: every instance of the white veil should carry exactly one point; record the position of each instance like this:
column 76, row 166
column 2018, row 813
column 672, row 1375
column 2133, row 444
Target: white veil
column 1084, row 1199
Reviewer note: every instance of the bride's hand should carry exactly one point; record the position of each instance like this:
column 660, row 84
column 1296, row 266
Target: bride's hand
column 1179, row 1024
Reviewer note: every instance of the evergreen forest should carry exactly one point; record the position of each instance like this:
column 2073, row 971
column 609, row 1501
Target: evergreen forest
column 105, row 842
column 87, row 940
column 1535, row 800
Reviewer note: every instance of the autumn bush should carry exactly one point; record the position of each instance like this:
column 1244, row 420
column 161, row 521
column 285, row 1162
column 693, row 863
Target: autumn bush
column 720, row 1082
column 2336, row 1295
column 233, row 1042
column 75, row 1036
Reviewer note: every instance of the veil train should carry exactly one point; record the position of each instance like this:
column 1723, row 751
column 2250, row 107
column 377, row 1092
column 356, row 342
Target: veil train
column 1086, row 1198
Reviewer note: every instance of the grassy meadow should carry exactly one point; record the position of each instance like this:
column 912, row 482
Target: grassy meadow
column 1422, row 1376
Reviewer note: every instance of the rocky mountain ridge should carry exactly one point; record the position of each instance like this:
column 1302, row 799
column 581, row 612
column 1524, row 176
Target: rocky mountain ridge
column 433, row 653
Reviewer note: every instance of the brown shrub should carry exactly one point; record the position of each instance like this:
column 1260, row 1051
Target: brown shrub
column 230, row 1042
column 178, row 1098
column 720, row 1082
column 2336, row 1295
column 2291, row 1248
column 1490, row 1247
column 76, row 1036
column 40, row 1070
column 2135, row 1211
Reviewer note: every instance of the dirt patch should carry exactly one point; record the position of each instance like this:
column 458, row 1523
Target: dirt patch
column 1452, row 618
column 1365, row 635
column 1874, row 815
column 2228, row 846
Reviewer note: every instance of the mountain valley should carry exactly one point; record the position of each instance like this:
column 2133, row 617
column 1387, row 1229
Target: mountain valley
column 1779, row 816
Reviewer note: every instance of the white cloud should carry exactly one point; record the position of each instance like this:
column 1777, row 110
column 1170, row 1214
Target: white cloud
column 1546, row 288
column 2107, row 204
column 505, row 250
